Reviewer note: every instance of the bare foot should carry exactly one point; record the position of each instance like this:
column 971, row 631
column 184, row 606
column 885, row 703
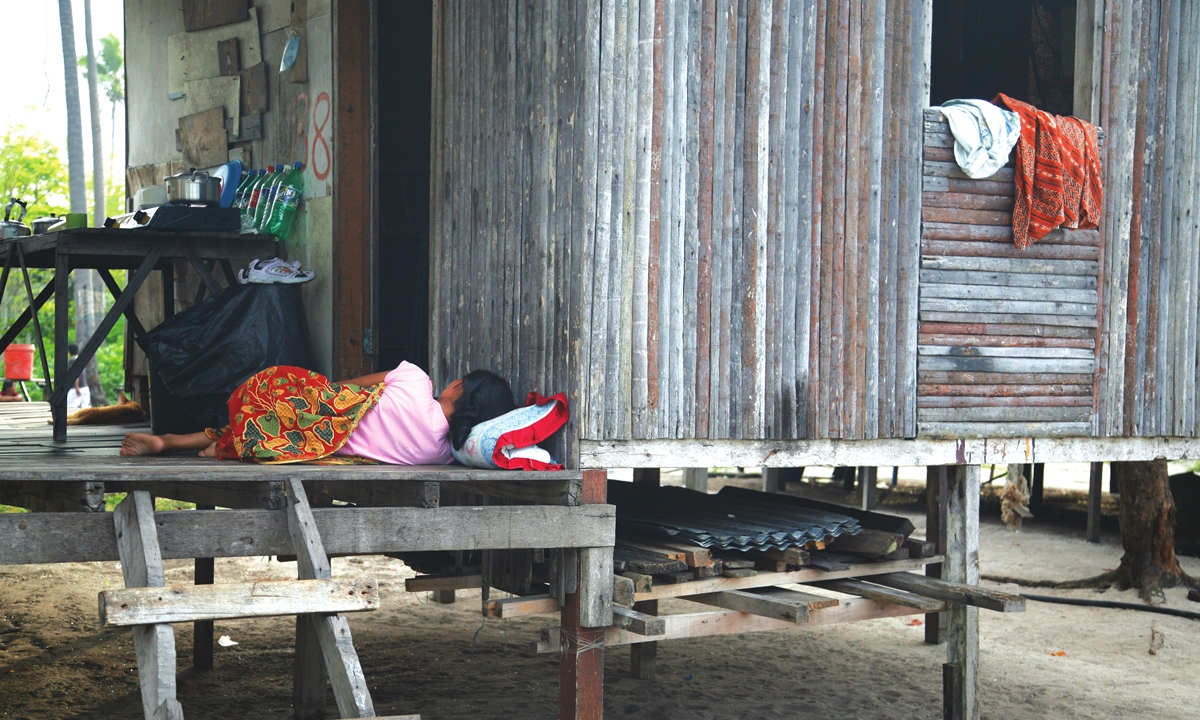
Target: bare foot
column 142, row 444
column 210, row 451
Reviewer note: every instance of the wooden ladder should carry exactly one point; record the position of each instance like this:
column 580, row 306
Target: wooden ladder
column 324, row 648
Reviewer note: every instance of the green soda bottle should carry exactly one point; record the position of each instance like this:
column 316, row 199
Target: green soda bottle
column 252, row 194
column 287, row 201
column 266, row 196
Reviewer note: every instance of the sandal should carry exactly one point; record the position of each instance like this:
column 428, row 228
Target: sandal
column 275, row 271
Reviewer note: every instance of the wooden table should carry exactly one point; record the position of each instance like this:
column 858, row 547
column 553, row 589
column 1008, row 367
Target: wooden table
column 142, row 250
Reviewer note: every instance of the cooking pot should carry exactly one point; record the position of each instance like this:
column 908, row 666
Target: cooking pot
column 14, row 228
column 44, row 225
column 193, row 187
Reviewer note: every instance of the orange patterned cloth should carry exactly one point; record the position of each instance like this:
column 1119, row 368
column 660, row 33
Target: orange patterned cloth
column 1058, row 174
column 288, row 414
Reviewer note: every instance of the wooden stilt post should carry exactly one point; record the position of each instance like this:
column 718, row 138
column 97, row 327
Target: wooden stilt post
column 1037, row 492
column 868, row 479
column 696, row 479
column 142, row 566
column 935, row 532
column 202, row 630
column 776, row 479
column 962, row 565
column 1095, row 490
column 581, row 667
column 642, row 656
column 446, row 597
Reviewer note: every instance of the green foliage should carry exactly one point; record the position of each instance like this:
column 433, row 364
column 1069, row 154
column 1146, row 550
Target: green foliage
column 31, row 169
column 109, row 68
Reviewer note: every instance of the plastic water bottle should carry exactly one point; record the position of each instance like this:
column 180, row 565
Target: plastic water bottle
column 287, row 201
column 252, row 195
column 267, row 196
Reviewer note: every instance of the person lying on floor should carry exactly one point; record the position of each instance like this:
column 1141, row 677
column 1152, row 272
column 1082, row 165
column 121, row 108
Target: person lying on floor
column 287, row 414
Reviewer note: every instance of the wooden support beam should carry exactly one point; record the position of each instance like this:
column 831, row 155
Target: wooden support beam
column 638, row 622
column 772, row 602
column 775, row 480
column 330, row 632
column 520, row 606
column 693, row 555
column 435, row 583
column 623, row 591
column 868, row 479
column 696, row 479
column 641, row 583
column 935, row 531
column 1095, row 494
column 962, row 568
column 643, row 657
column 851, row 586
column 732, row 622
column 581, row 669
column 595, row 587
column 963, row 593
column 445, row 597
column 792, row 556
column 868, row 543
column 202, row 630
column 85, row 537
column 181, row 603
column 142, row 566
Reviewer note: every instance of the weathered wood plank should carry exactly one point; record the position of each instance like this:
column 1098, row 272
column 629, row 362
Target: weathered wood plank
column 998, row 391
column 638, row 623
column 979, row 246
column 1031, row 341
column 793, row 610
column 1022, row 429
column 1011, row 265
column 952, row 170
column 1010, row 414
column 1075, row 321
column 852, row 586
column 944, row 401
column 520, row 606
column 1007, row 365
column 966, row 201
column 1000, row 330
column 1005, row 278
column 187, row 603
column 1013, row 352
column 970, row 187
column 936, row 216
column 1003, row 292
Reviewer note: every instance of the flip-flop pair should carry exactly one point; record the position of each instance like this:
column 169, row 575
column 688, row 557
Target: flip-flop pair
column 273, row 272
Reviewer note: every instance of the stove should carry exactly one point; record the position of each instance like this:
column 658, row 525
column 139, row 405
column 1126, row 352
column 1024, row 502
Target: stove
column 178, row 216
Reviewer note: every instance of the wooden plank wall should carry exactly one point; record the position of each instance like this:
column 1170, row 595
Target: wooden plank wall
column 1147, row 383
column 1007, row 337
column 513, row 191
column 753, row 269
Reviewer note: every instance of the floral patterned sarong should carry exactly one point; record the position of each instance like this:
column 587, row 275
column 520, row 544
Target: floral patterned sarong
column 288, row 414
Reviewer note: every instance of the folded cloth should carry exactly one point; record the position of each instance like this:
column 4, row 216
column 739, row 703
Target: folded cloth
column 1058, row 174
column 509, row 442
column 984, row 135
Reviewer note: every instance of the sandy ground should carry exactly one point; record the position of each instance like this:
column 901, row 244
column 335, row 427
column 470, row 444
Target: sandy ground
column 1051, row 661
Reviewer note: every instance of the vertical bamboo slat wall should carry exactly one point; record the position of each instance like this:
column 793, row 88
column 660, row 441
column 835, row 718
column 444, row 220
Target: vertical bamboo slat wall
column 513, row 191
column 1147, row 383
column 699, row 219
column 1007, row 337
column 756, row 245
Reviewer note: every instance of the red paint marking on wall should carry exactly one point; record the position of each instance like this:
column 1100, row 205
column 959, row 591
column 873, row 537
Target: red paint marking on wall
column 322, row 163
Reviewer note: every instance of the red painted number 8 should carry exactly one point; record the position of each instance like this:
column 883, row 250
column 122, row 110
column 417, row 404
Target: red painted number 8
column 322, row 162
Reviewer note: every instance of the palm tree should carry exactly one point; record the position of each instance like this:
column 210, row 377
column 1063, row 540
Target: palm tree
column 93, row 81
column 110, row 63
column 77, row 183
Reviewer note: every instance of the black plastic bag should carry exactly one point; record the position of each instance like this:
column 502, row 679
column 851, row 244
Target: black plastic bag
column 201, row 355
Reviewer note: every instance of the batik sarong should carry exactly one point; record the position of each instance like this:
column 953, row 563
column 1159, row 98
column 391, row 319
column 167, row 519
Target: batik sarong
column 288, row 414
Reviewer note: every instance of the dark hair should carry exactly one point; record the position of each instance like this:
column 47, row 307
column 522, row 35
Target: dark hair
column 73, row 349
column 485, row 395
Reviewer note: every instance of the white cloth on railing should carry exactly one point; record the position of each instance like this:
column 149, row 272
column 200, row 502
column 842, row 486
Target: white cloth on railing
column 984, row 135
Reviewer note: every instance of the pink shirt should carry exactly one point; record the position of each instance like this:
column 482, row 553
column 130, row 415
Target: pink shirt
column 407, row 427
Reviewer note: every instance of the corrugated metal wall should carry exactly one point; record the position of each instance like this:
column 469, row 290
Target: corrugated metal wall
column 755, row 255
column 1150, row 309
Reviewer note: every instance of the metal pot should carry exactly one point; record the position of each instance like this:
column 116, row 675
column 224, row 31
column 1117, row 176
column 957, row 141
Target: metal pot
column 193, row 187
column 44, row 225
column 14, row 228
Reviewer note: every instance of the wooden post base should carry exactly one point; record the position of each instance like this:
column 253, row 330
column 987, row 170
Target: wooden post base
column 642, row 656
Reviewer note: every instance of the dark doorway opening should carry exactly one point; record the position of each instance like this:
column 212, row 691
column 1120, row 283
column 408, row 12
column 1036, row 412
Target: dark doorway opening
column 404, row 89
column 1022, row 48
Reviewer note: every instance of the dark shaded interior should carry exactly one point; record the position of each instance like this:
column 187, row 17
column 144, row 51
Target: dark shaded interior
column 1022, row 48
column 404, row 90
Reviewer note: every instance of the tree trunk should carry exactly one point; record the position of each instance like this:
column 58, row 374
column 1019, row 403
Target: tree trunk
column 78, row 183
column 1147, row 512
column 99, row 196
column 89, row 304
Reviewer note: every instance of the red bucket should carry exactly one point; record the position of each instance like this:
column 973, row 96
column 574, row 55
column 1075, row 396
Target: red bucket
column 18, row 362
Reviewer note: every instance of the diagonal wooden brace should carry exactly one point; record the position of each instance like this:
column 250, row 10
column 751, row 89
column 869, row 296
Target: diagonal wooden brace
column 142, row 566
column 327, row 634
